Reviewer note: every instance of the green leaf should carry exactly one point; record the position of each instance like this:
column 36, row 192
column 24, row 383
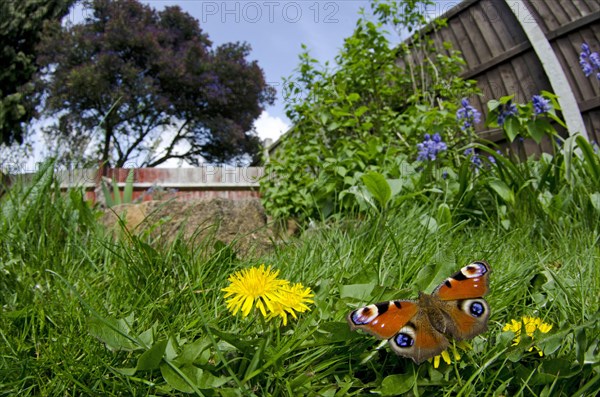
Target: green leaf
column 353, row 97
column 193, row 351
column 502, row 189
column 444, row 216
column 333, row 126
column 184, row 379
column 151, row 358
column 116, row 192
column 595, row 200
column 107, row 196
column 360, row 111
column 429, row 222
column 115, row 334
column 128, row 191
column 395, row 185
column 590, row 158
column 396, row 385
column 126, row 371
column 511, row 127
column 379, row 188
column 361, row 292
column 538, row 129
column 493, row 105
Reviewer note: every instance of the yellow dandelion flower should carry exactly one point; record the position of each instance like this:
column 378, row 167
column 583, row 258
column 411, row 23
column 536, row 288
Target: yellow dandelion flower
column 256, row 285
column 530, row 324
column 291, row 299
column 445, row 355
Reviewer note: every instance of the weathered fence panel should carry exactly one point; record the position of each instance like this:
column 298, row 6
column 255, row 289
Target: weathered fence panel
column 494, row 37
column 181, row 183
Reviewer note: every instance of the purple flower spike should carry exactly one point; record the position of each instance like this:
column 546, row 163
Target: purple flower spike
column 589, row 61
column 540, row 104
column 467, row 114
column 510, row 109
column 431, row 147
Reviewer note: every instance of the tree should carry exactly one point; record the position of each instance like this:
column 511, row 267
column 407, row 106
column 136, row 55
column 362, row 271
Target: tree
column 148, row 86
column 21, row 28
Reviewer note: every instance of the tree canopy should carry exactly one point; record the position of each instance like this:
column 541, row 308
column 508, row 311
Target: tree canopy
column 21, row 28
column 137, row 84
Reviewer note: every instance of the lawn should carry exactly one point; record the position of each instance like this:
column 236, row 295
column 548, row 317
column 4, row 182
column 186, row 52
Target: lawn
column 84, row 313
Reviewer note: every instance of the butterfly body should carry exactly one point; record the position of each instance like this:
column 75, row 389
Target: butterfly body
column 419, row 328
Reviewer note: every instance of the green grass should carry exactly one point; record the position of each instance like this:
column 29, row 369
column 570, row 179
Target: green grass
column 69, row 292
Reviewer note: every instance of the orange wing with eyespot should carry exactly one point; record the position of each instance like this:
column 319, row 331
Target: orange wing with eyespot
column 384, row 319
column 471, row 281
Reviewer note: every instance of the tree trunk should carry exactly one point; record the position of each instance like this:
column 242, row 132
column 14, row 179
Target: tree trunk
column 108, row 132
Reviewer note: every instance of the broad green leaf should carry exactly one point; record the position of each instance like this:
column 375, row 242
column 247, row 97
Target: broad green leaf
column 429, row 222
column 115, row 334
column 537, row 129
column 353, row 97
column 147, row 337
column 361, row 292
column 126, row 371
column 333, row 126
column 192, row 351
column 595, row 200
column 502, row 190
column 185, row 379
column 395, row 185
column 378, row 187
column 396, row 385
column 511, row 127
column 151, row 358
column 493, row 105
column 360, row 111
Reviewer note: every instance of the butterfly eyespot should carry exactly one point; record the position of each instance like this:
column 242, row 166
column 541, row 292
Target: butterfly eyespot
column 476, row 309
column 404, row 340
column 364, row 315
column 475, row 269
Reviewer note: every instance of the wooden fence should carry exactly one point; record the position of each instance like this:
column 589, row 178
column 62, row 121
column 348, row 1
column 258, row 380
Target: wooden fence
column 181, row 183
column 521, row 47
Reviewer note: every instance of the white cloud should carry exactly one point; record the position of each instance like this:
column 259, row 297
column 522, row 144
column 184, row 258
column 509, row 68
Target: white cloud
column 271, row 127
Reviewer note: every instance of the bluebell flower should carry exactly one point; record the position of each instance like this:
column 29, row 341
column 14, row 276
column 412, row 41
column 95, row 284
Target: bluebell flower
column 431, row 147
column 467, row 114
column 589, row 61
column 492, row 159
column 445, row 174
column 585, row 48
column 595, row 60
column 510, row 109
column 474, row 157
column 540, row 104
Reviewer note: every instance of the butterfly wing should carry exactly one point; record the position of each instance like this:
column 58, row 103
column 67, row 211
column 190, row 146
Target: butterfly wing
column 417, row 329
column 383, row 320
column 418, row 340
column 472, row 281
column 461, row 299
column 404, row 325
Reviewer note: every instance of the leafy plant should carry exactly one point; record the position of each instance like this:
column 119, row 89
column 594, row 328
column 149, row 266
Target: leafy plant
column 115, row 198
column 356, row 118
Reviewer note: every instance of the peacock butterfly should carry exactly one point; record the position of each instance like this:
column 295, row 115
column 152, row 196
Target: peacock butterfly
column 419, row 329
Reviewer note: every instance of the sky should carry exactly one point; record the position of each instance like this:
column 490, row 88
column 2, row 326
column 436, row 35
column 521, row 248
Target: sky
column 275, row 30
